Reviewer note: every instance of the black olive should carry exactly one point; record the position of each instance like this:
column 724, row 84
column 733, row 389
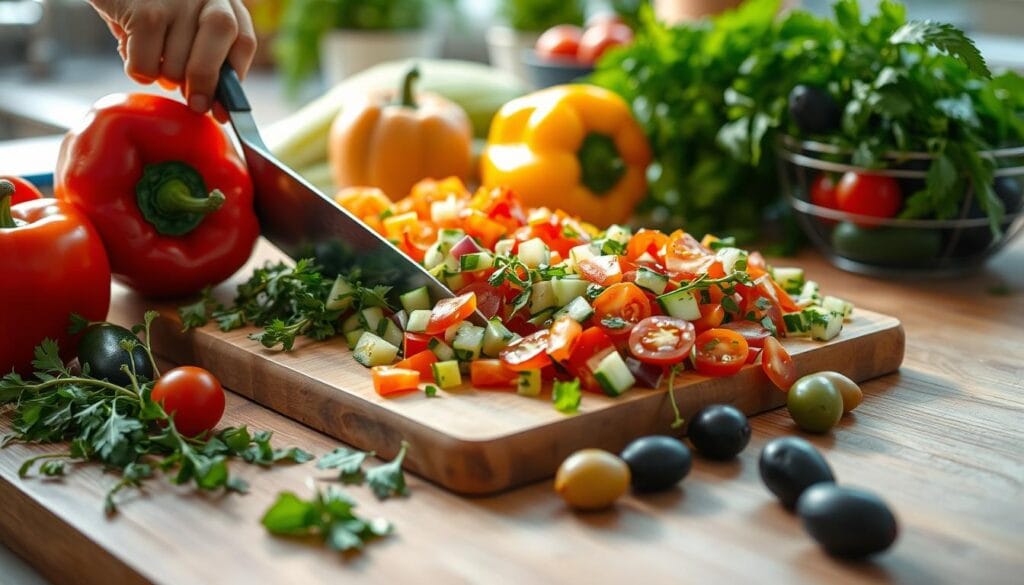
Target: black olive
column 790, row 465
column 100, row 349
column 656, row 462
column 813, row 110
column 719, row 431
column 847, row 522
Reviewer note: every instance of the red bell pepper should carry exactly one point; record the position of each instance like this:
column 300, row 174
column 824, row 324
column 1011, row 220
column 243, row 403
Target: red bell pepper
column 53, row 264
column 23, row 190
column 165, row 189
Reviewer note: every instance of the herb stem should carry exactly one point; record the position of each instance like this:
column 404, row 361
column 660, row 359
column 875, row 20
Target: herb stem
column 678, row 420
column 85, row 382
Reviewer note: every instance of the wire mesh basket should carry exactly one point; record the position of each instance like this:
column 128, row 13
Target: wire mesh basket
column 893, row 247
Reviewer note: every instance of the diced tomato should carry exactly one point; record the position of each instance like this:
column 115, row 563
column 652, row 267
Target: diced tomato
column 754, row 333
column 420, row 362
column 414, row 343
column 685, row 257
column 491, row 373
column 602, row 270
column 786, row 302
column 720, row 352
column 650, row 242
column 527, row 353
column 593, row 342
column 623, row 304
column 501, row 205
column 485, row 230
column 753, row 354
column 489, row 300
column 661, row 340
column 564, row 334
column 448, row 312
column 389, row 380
column 778, row 364
column 711, row 316
column 757, row 261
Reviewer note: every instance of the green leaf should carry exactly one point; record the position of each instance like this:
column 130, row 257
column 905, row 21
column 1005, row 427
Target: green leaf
column 292, row 454
column 388, row 480
column 78, row 324
column 47, row 357
column 959, row 108
column 341, row 537
column 944, row 37
column 348, row 462
column 114, row 436
column 290, row 514
column 566, row 396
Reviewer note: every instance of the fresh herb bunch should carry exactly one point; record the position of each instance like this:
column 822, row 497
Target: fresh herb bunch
column 540, row 15
column 329, row 514
column 121, row 427
column 713, row 97
column 286, row 301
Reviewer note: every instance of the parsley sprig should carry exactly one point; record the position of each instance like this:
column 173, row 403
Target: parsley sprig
column 330, row 514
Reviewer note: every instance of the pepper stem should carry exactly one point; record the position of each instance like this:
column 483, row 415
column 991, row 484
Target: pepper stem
column 6, row 192
column 601, row 163
column 408, row 96
column 173, row 197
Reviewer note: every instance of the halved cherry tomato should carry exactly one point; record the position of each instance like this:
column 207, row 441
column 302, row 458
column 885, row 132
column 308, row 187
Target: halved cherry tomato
column 388, row 380
column 491, row 373
column 711, row 316
column 559, row 42
column 527, row 353
column 661, row 340
column 420, row 362
column 650, row 242
column 593, row 342
column 564, row 334
column 778, row 364
column 448, row 312
column 414, row 343
column 685, row 257
column 602, row 270
column 489, row 300
column 753, row 355
column 624, row 301
column 193, row 396
column 754, row 333
column 720, row 352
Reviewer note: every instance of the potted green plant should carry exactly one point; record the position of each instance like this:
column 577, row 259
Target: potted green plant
column 520, row 22
column 343, row 37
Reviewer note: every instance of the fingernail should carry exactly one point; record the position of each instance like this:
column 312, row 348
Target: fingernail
column 199, row 103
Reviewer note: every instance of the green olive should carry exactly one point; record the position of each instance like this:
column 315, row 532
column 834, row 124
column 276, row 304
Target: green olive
column 592, row 479
column 850, row 391
column 815, row 404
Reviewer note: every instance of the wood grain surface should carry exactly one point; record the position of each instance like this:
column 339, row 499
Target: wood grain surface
column 480, row 442
column 940, row 440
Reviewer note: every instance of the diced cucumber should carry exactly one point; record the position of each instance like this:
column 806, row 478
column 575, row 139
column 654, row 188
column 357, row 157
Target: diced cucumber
column 418, row 321
column 613, row 375
column 796, row 325
column 838, row 305
column 542, row 297
column 581, row 253
column 352, row 322
column 824, row 324
column 496, row 338
column 504, row 247
column 529, row 383
column 811, row 293
column 468, row 342
column 446, row 373
column 372, row 319
column 732, row 259
column 534, row 252
column 542, row 319
column 433, row 257
column 451, row 332
column 567, row 289
column 442, row 350
column 352, row 337
column 448, row 238
column 620, row 234
column 392, row 333
column 680, row 304
column 454, row 280
column 476, row 261
column 415, row 299
column 372, row 350
column 651, row 280
column 578, row 310
column 340, row 297
column 452, row 264
column 791, row 279
column 444, row 211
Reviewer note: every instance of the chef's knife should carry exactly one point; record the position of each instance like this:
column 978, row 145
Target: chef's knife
column 303, row 222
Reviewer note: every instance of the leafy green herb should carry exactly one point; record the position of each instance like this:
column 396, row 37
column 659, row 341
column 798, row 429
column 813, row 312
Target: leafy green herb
column 430, row 390
column 566, row 396
column 348, row 462
column 388, row 480
column 329, row 514
column 613, row 322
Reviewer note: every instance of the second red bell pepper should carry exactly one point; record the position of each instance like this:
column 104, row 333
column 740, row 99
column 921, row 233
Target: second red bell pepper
column 23, row 190
column 165, row 189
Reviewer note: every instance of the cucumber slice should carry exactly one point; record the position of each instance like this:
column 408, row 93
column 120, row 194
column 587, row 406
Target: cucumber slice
column 504, row 247
column 791, row 279
column 446, row 373
column 581, row 253
column 454, row 280
column 392, row 333
column 810, row 293
column 448, row 238
column 529, row 383
column 838, row 305
column 433, row 257
column 680, row 304
column 542, row 297
column 476, row 261
column 567, row 289
column 352, row 322
column 352, row 337
column 418, row 321
column 542, row 319
column 442, row 350
column 340, row 297
column 534, row 252
column 415, row 299
column 578, row 310
column 372, row 319
column 824, row 324
column 371, row 350
column 796, row 325
column 451, row 332
column 469, row 340
column 496, row 338
column 732, row 259
column 613, row 375
column 620, row 234
column 651, row 280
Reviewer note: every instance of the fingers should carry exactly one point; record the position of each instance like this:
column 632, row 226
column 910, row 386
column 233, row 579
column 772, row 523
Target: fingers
column 118, row 32
column 146, row 28
column 216, row 34
column 178, row 44
column 244, row 49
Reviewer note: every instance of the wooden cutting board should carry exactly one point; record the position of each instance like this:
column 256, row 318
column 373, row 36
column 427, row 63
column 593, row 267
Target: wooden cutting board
column 474, row 441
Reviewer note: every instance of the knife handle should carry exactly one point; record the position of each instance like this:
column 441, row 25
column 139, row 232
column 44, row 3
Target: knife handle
column 229, row 91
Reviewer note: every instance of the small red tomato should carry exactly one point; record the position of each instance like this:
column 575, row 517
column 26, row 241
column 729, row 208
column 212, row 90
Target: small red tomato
column 598, row 39
column 559, row 42
column 193, row 396
column 865, row 194
column 778, row 364
column 823, row 191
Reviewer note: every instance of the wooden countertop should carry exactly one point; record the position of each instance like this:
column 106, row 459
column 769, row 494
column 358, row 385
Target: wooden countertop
column 940, row 440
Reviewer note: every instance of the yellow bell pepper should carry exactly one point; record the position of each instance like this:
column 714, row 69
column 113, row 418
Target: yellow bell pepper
column 574, row 147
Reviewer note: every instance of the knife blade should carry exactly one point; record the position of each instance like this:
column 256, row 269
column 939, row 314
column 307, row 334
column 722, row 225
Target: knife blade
column 303, row 222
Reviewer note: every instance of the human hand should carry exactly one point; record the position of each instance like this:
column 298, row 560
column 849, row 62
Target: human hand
column 183, row 42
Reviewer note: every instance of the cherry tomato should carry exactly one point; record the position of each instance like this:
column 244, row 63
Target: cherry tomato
column 414, row 343
column 661, row 340
column 592, row 343
column 421, row 362
column 491, row 373
column 448, row 312
column 601, row 37
column 23, row 190
column 388, row 380
column 778, row 365
column 685, row 257
column 754, row 333
column 720, row 352
column 559, row 42
column 193, row 396
column 711, row 316
column 527, row 353
column 489, row 300
column 564, row 334
column 866, row 194
column 602, row 270
column 624, row 301
column 650, row 242
column 823, row 191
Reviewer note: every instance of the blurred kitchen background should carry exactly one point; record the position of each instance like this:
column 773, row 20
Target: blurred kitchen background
column 57, row 56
